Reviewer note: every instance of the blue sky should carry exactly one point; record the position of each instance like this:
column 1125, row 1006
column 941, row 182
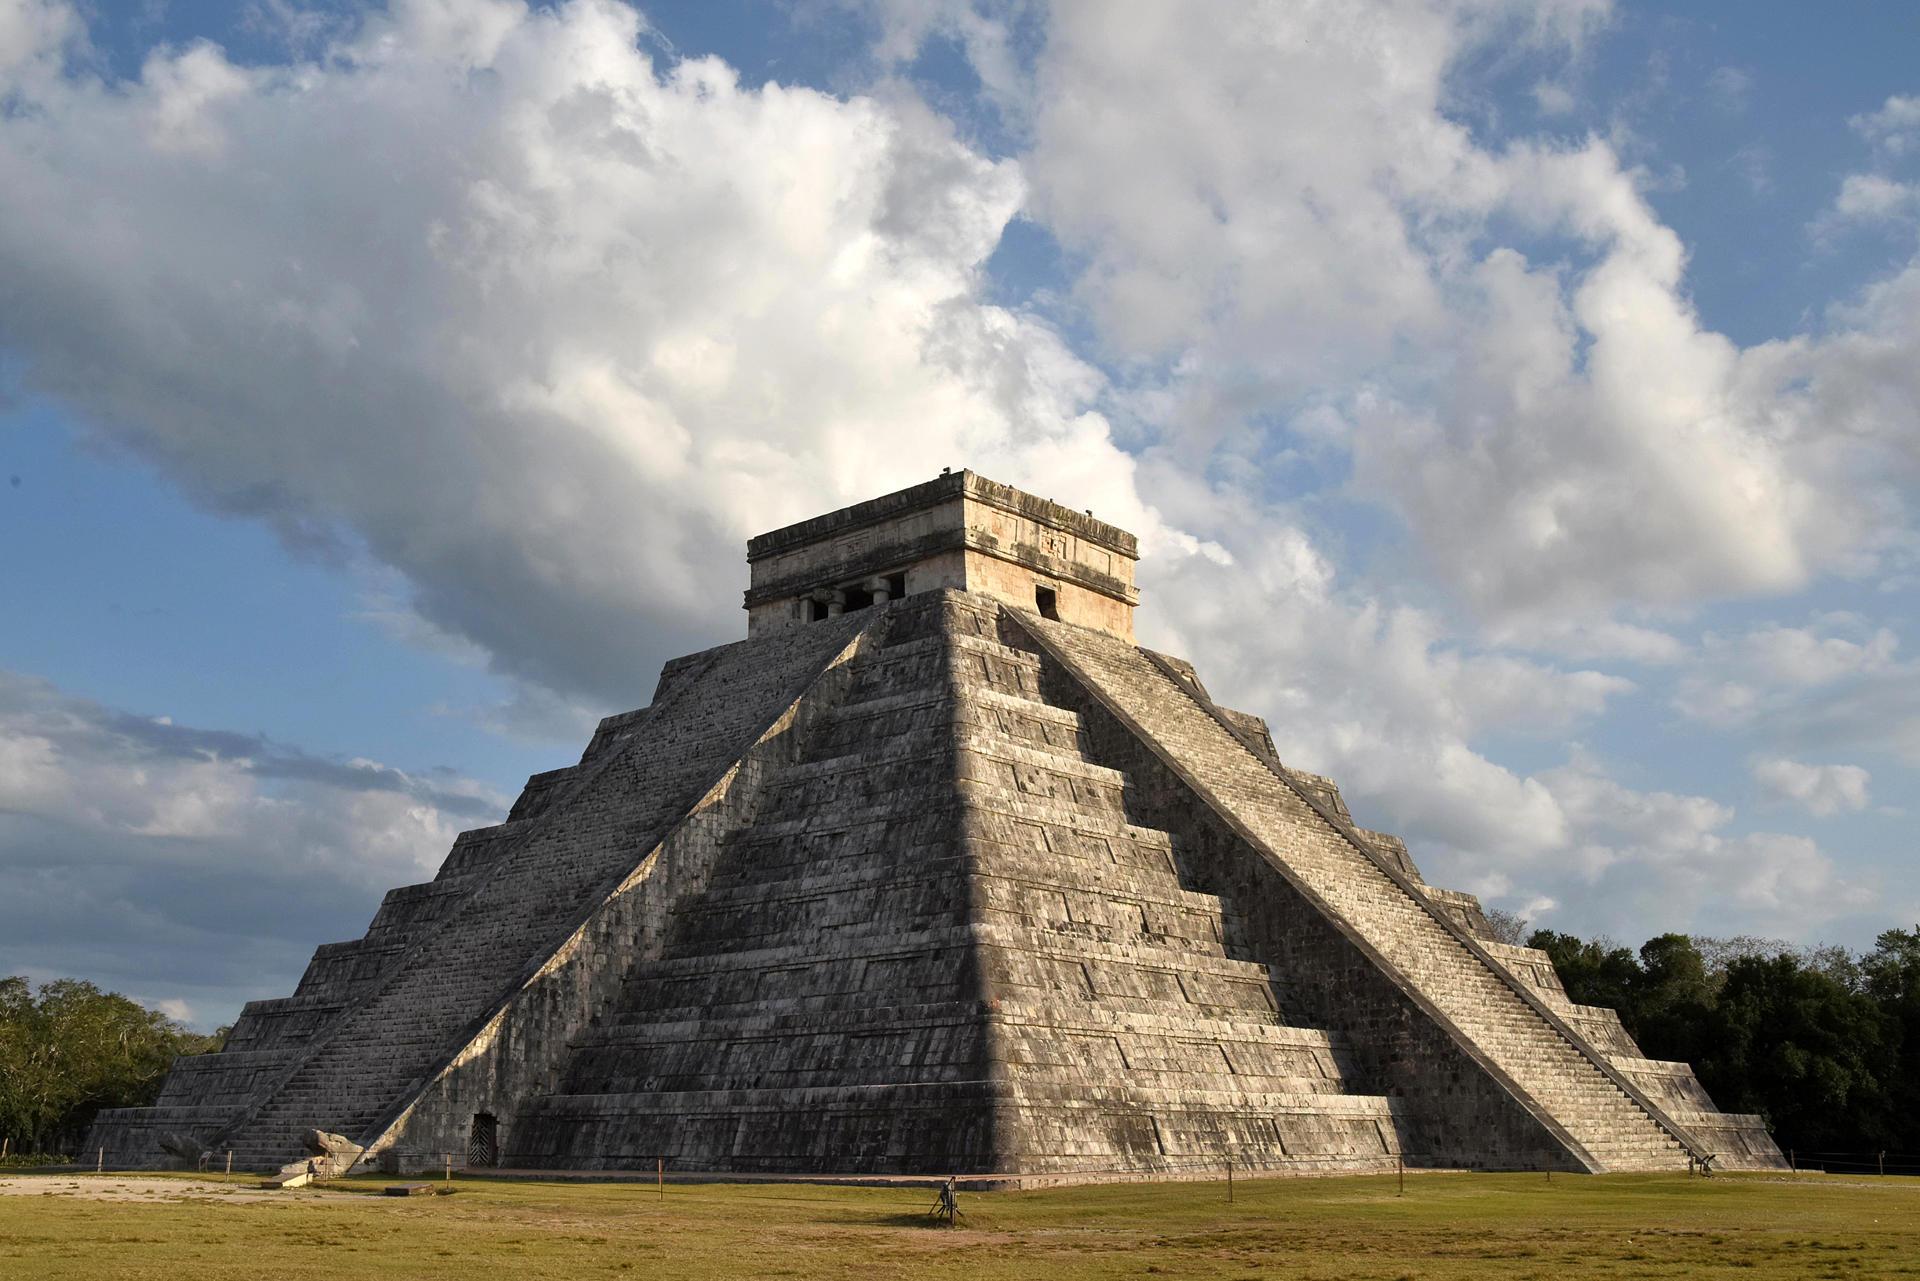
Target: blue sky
column 1516, row 404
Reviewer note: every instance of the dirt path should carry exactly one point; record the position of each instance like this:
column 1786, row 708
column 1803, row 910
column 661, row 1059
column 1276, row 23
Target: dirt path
column 134, row 1187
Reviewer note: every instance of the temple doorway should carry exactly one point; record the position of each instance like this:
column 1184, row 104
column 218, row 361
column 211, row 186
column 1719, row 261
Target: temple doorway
column 483, row 1140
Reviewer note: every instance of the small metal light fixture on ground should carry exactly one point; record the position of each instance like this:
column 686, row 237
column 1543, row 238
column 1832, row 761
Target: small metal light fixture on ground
column 100, row 1166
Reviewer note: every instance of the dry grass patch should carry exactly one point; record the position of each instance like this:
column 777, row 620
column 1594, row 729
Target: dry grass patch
column 1447, row 1226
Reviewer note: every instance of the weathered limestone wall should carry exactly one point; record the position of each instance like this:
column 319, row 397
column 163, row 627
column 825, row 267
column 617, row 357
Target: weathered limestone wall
column 1514, row 1039
column 1448, row 1112
column 1014, row 582
column 818, row 1005
column 960, row 532
column 524, row 1044
column 205, row 1093
column 1133, row 1034
column 534, row 893
column 951, row 953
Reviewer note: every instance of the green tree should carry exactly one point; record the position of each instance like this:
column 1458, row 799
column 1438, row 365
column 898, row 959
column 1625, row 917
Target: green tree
column 1799, row 1047
column 16, row 1013
column 1890, row 975
column 1670, row 1000
column 1597, row 972
column 70, row 1049
column 1823, row 1044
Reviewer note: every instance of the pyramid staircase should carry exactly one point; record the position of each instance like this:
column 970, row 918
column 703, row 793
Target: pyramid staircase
column 1563, row 1080
column 951, row 941
column 578, row 834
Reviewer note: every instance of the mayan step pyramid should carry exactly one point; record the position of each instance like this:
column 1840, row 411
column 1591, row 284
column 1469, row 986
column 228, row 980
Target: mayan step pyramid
column 937, row 872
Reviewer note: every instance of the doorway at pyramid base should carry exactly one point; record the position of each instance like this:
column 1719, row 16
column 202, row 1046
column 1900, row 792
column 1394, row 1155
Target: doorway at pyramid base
column 939, row 886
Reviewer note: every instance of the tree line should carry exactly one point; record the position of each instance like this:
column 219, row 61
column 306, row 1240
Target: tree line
column 69, row 1050
column 1822, row 1042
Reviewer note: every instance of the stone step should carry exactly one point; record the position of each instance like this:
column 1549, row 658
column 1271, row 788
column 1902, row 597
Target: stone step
column 1099, row 1095
column 1104, row 895
column 881, row 942
column 882, row 714
column 931, row 758
column 1039, row 1013
column 1475, row 996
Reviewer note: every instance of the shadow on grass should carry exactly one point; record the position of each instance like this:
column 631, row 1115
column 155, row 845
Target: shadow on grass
column 920, row 1219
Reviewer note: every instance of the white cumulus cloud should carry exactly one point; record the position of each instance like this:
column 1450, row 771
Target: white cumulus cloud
column 1894, row 127
column 1820, row 789
column 1500, row 338
column 546, row 327
column 197, row 865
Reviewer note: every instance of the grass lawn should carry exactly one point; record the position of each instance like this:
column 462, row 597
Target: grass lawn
column 1447, row 1225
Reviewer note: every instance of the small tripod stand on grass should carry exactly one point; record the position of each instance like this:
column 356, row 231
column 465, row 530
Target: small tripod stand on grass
column 945, row 1208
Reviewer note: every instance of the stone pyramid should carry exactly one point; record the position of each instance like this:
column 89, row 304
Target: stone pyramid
column 937, row 872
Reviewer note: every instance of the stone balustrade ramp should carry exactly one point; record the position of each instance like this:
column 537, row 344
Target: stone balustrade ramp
column 1561, row 1081
column 589, row 834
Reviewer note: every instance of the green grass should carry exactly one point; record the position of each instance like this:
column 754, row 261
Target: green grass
column 1446, row 1226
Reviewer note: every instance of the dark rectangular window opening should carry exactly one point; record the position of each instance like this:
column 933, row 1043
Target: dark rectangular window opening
column 816, row 610
column 858, row 598
column 896, row 586
column 1045, row 601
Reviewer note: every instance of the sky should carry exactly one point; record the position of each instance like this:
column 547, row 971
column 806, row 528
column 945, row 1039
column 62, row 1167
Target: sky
column 1516, row 403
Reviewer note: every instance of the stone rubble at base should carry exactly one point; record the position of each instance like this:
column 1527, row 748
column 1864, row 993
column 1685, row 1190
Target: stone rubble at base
column 936, row 873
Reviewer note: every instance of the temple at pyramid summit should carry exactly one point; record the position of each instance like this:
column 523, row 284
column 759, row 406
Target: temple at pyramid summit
column 936, row 872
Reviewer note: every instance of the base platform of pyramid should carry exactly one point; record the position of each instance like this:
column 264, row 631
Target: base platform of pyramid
column 935, row 873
